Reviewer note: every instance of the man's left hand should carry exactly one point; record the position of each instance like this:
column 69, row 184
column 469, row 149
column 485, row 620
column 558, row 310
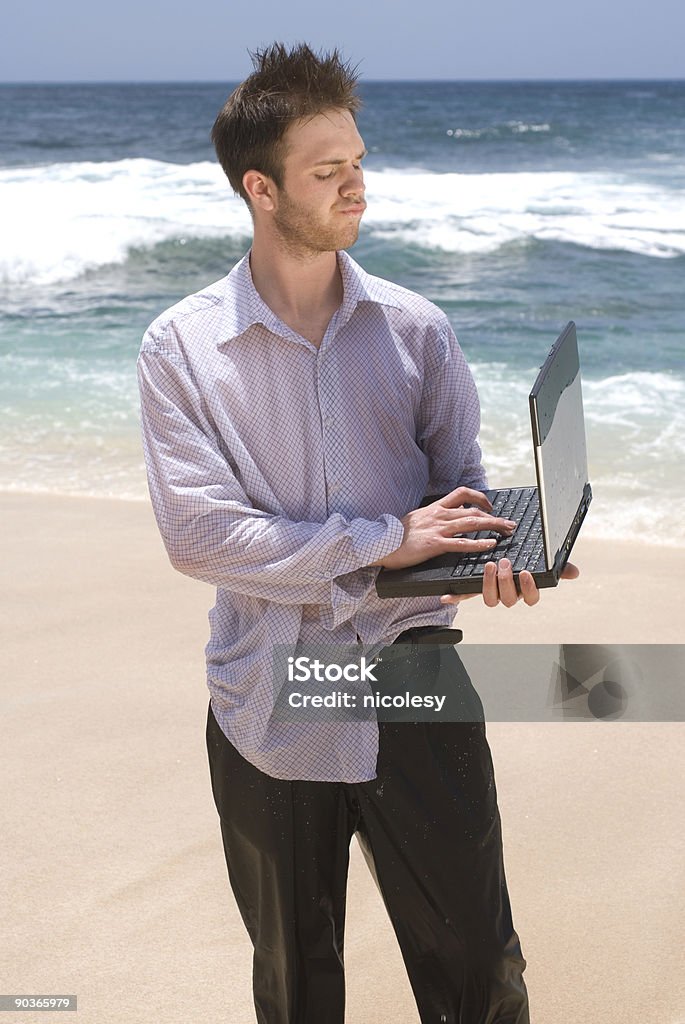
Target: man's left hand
column 499, row 585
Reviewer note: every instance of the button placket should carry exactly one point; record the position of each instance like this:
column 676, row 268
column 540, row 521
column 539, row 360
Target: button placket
column 327, row 379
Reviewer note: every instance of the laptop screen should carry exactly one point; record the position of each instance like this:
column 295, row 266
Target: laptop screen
column 559, row 439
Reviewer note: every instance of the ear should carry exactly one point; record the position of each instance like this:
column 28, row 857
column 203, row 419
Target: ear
column 260, row 189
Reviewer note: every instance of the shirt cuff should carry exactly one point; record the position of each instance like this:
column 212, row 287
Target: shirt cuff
column 372, row 541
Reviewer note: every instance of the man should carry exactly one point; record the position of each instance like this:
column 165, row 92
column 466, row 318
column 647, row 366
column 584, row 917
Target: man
column 294, row 414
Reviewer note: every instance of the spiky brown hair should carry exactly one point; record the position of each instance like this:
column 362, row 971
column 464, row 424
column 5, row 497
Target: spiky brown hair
column 285, row 86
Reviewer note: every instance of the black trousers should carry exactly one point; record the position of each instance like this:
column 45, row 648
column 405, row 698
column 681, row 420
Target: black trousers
column 429, row 829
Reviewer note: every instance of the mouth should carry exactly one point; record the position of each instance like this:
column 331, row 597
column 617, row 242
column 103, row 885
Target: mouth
column 357, row 209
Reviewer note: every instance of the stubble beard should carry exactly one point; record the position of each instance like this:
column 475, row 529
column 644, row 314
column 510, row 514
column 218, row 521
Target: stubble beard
column 306, row 236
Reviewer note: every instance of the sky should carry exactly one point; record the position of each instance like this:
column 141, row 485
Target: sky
column 208, row 40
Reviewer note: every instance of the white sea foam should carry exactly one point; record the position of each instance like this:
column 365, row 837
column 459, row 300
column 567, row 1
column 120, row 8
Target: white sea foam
column 497, row 131
column 481, row 212
column 63, row 219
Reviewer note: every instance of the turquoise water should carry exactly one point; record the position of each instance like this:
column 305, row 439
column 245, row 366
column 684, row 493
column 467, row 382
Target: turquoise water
column 514, row 206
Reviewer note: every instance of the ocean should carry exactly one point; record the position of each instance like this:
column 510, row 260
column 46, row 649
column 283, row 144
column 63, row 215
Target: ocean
column 514, row 206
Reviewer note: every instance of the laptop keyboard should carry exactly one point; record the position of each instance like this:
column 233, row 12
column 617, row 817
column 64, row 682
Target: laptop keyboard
column 524, row 548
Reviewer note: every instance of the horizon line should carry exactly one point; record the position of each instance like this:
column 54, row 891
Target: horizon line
column 367, row 81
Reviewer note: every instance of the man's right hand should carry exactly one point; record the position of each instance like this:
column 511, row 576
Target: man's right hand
column 430, row 531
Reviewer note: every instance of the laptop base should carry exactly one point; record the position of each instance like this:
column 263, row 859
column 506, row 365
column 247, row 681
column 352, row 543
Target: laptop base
column 434, row 584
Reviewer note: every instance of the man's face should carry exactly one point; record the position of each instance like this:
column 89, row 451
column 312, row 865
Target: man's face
column 321, row 203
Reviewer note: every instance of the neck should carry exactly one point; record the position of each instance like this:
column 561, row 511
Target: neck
column 304, row 290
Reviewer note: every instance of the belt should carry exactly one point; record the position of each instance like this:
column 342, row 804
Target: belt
column 429, row 635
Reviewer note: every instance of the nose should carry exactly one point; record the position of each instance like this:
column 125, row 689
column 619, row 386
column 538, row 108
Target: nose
column 353, row 185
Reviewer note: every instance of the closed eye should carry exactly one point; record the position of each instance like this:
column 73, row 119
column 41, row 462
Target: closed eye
column 334, row 164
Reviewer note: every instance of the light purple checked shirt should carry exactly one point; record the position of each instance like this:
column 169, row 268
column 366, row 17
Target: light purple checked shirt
column 279, row 472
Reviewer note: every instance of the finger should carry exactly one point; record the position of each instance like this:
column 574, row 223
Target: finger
column 475, row 521
column 464, row 544
column 508, row 594
column 464, row 495
column 570, row 572
column 529, row 590
column 462, row 511
column 490, row 589
column 455, row 598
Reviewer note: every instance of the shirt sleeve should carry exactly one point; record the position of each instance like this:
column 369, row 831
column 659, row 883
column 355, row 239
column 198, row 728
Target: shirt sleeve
column 449, row 417
column 210, row 530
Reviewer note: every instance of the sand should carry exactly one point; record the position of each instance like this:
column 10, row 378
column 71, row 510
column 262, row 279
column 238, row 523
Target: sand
column 111, row 854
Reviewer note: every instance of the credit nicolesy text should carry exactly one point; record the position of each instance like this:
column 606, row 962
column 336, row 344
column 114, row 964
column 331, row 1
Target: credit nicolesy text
column 341, row 699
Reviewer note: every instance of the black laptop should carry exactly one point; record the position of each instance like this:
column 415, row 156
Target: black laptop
column 549, row 516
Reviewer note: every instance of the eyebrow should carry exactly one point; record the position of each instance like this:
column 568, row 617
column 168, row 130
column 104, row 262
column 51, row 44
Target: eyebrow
column 336, row 162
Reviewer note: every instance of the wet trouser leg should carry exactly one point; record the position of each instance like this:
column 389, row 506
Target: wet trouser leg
column 287, row 852
column 430, row 831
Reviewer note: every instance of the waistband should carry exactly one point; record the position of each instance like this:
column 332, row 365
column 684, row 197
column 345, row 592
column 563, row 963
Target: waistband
column 429, row 635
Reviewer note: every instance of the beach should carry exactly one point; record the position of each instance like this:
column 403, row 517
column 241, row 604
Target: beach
column 515, row 207
column 112, row 850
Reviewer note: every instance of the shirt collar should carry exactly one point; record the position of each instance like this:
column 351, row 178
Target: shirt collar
column 244, row 307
